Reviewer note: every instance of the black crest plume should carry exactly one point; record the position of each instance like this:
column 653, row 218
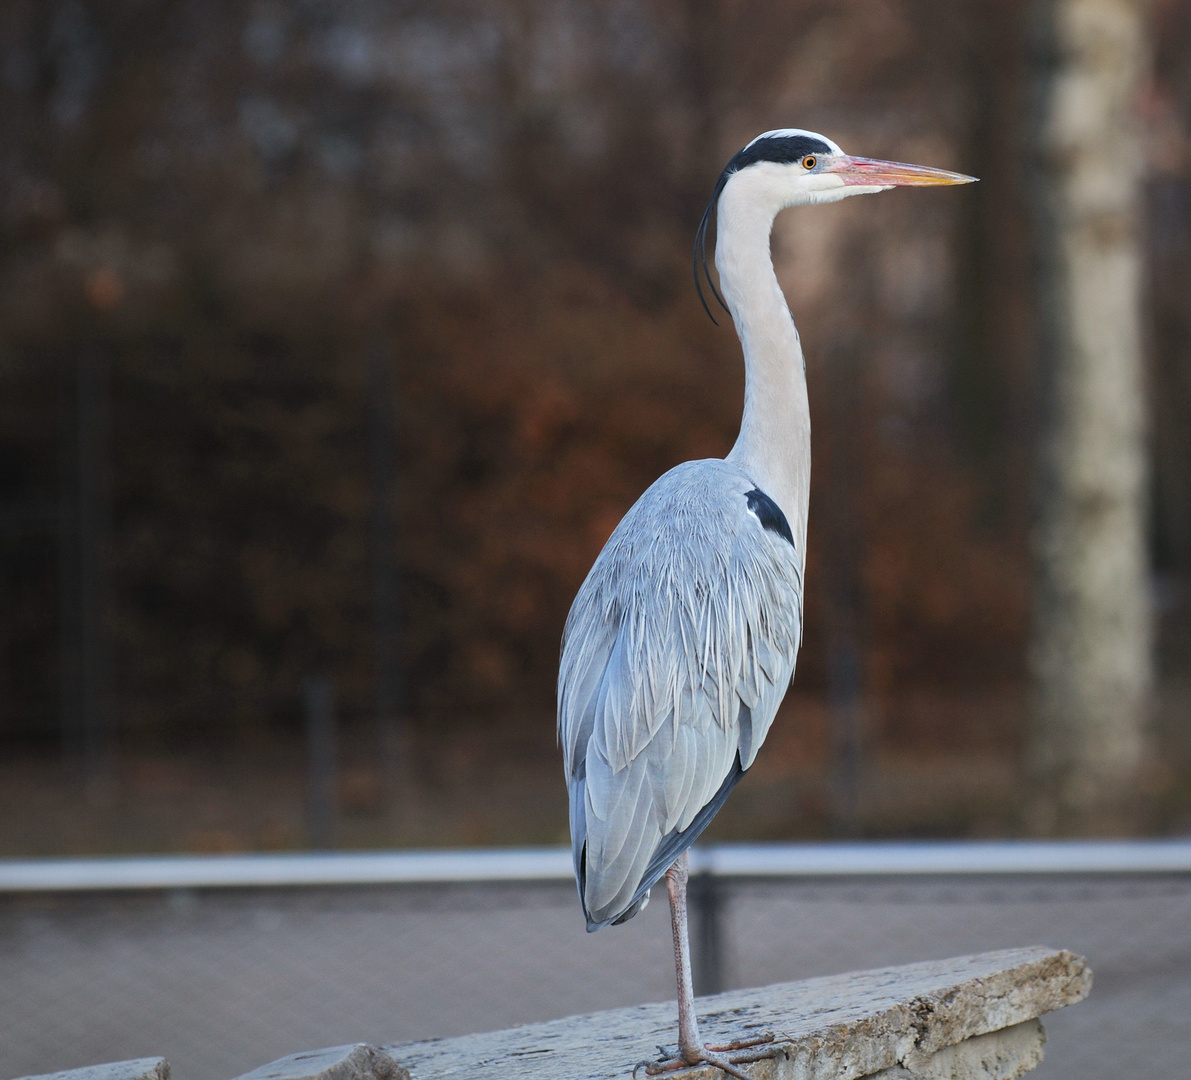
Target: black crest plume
column 782, row 149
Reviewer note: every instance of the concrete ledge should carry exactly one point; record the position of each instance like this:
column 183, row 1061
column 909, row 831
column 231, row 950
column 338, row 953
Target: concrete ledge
column 969, row 1018
column 150, row 1068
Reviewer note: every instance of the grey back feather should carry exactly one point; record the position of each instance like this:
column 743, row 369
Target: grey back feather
column 676, row 654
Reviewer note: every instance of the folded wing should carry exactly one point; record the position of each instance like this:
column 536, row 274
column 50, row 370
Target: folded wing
column 678, row 650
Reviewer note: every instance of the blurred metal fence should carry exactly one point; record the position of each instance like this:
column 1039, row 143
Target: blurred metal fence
column 222, row 964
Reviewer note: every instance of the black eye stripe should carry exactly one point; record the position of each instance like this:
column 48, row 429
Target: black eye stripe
column 783, row 149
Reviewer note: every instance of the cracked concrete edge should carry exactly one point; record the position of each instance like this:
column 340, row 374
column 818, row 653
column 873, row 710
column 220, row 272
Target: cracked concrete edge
column 1001, row 1000
column 908, row 1035
column 355, row 1061
column 149, row 1068
column 997, row 1055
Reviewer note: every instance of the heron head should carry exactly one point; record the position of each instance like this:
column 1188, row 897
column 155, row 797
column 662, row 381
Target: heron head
column 793, row 167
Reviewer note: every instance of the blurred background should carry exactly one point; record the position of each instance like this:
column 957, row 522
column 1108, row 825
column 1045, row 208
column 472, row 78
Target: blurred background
column 335, row 339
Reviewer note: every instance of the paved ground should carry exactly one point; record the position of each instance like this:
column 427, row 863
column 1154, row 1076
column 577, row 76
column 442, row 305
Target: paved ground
column 222, row 982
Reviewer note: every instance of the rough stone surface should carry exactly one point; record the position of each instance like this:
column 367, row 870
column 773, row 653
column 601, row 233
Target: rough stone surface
column 842, row 1027
column 998, row 1055
column 150, row 1068
column 358, row 1061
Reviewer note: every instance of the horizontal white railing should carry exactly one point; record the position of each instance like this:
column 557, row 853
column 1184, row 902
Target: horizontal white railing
column 875, row 859
column 950, row 857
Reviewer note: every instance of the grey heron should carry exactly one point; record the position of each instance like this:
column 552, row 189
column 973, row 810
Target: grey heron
column 681, row 642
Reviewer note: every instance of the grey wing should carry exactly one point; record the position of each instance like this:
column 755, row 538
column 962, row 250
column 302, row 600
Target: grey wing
column 678, row 650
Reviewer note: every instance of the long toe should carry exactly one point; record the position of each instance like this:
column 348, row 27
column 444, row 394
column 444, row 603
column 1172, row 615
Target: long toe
column 754, row 1049
column 765, row 1039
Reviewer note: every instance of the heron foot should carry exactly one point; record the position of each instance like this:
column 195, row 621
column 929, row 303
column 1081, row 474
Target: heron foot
column 742, row 1052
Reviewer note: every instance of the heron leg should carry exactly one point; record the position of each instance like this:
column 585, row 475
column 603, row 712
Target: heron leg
column 691, row 1050
column 690, row 1046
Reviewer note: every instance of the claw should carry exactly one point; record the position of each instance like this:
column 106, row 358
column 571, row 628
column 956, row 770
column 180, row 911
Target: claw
column 656, row 1068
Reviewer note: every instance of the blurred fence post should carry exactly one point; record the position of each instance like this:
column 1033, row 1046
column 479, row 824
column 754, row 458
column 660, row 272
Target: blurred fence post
column 386, row 613
column 320, row 751
column 84, row 546
column 707, row 895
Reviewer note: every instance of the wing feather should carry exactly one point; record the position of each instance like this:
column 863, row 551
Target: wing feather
column 620, row 849
column 677, row 652
column 677, row 780
column 627, row 814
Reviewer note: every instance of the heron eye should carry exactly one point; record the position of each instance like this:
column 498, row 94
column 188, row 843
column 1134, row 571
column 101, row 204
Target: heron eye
column 809, row 162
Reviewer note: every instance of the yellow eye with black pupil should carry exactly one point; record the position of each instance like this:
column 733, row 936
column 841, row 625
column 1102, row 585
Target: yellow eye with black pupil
column 808, row 162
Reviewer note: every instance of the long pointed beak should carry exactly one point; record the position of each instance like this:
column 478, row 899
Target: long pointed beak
column 871, row 172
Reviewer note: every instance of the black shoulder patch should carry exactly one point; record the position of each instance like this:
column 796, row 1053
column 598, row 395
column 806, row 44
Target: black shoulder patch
column 769, row 514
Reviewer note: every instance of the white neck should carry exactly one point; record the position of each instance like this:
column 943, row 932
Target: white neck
column 774, row 444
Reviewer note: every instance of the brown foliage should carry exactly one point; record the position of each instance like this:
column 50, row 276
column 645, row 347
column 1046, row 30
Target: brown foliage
column 238, row 203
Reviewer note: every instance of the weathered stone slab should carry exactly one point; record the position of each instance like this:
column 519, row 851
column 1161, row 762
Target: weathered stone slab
column 150, row 1068
column 358, row 1061
column 911, row 1019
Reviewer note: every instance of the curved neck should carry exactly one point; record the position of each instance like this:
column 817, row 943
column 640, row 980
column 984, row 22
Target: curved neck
column 773, row 447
